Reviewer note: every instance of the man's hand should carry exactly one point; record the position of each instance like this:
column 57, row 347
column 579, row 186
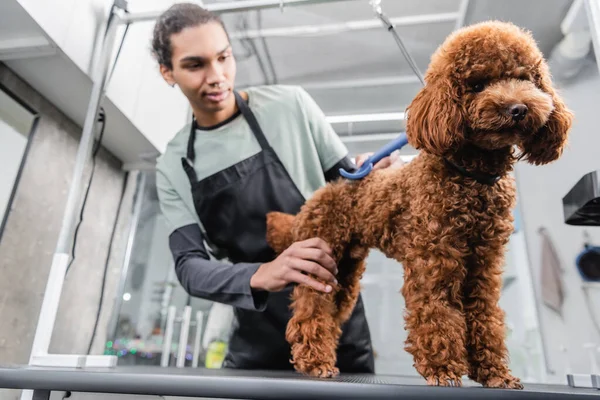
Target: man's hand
column 312, row 256
column 393, row 160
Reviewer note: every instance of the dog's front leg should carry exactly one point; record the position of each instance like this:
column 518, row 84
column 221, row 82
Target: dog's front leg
column 313, row 332
column 485, row 319
column 435, row 322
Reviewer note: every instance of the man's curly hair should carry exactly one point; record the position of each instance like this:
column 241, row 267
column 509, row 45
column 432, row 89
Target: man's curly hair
column 174, row 20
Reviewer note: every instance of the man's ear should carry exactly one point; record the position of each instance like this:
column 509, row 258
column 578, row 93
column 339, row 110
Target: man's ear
column 167, row 74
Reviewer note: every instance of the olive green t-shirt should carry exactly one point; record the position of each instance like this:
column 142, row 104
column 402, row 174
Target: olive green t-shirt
column 292, row 123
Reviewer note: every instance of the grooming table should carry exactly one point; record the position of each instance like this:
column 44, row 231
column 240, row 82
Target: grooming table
column 234, row 384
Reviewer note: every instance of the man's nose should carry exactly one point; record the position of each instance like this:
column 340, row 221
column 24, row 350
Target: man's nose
column 215, row 74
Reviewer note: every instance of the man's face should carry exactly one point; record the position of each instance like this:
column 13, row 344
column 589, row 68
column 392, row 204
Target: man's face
column 203, row 66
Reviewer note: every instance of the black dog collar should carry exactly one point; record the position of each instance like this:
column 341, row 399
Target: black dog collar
column 481, row 177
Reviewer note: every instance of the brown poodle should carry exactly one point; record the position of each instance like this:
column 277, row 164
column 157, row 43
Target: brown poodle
column 446, row 216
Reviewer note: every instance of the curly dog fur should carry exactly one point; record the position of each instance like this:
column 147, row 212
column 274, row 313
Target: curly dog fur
column 447, row 227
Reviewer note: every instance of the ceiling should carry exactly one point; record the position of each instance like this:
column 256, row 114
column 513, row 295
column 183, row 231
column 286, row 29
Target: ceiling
column 28, row 51
column 363, row 71
column 358, row 71
column 19, row 31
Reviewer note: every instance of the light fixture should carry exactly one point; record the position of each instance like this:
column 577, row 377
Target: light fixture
column 126, row 296
column 28, row 47
column 369, row 137
column 344, row 119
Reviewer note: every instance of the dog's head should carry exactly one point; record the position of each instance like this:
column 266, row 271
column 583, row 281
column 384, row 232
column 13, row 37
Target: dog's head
column 489, row 85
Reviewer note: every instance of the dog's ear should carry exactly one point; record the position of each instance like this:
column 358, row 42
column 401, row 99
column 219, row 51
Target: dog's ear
column 435, row 120
column 547, row 144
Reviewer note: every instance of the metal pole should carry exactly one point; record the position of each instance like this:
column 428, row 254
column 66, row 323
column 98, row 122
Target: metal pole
column 198, row 338
column 390, row 27
column 56, row 278
column 234, row 6
column 183, row 336
column 593, row 12
column 168, row 338
column 133, row 226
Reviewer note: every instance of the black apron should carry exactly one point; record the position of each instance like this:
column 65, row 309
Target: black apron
column 232, row 205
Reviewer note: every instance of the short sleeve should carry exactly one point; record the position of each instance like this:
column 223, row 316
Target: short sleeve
column 330, row 147
column 176, row 213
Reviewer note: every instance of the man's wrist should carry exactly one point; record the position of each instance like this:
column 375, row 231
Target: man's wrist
column 256, row 281
column 257, row 293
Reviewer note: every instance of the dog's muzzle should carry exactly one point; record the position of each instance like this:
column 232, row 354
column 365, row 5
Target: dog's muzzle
column 518, row 112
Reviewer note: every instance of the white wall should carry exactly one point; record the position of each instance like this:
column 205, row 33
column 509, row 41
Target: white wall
column 156, row 109
column 541, row 190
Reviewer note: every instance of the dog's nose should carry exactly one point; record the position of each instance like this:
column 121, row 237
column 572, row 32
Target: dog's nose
column 518, row 111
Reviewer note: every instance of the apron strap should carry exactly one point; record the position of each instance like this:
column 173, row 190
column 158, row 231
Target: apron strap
column 251, row 119
column 189, row 169
column 188, row 161
column 191, row 154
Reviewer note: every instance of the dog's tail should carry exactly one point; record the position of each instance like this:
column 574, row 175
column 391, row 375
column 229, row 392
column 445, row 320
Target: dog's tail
column 279, row 231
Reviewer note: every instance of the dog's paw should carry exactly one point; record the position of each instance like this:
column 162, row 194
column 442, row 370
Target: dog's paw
column 324, row 371
column 314, row 368
column 318, row 371
column 444, row 379
column 503, row 382
column 320, row 367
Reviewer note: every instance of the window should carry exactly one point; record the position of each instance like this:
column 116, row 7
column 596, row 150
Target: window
column 17, row 123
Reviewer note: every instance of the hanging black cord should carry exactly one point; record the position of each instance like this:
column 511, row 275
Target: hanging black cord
column 102, row 120
column 107, row 261
column 98, row 145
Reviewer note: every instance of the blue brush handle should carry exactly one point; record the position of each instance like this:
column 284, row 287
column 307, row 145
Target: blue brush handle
column 385, row 151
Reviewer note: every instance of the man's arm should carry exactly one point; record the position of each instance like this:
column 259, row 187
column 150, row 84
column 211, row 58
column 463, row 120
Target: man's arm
column 198, row 274
column 334, row 172
column 210, row 279
column 333, row 154
column 332, row 151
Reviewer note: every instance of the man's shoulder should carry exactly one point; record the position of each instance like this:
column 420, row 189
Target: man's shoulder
column 275, row 95
column 275, row 90
column 174, row 150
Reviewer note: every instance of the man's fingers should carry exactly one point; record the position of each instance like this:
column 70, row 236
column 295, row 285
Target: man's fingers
column 316, row 243
column 318, row 256
column 383, row 163
column 311, row 267
column 361, row 158
column 396, row 160
column 393, row 160
column 300, row 278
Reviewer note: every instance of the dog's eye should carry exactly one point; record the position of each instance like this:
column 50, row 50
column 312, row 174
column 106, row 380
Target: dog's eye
column 478, row 87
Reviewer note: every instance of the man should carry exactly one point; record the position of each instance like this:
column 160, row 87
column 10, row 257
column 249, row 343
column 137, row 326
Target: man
column 243, row 155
